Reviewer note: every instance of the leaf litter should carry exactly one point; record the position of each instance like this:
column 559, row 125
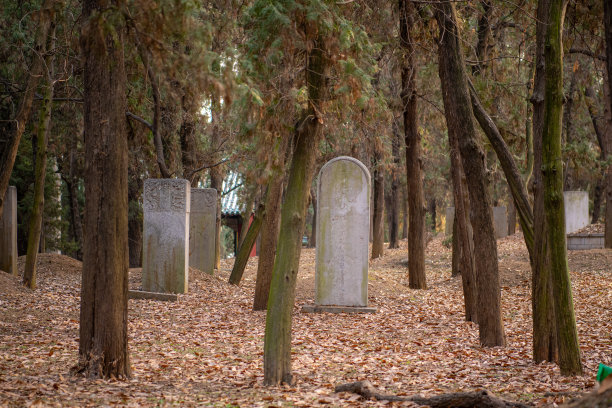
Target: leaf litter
column 206, row 349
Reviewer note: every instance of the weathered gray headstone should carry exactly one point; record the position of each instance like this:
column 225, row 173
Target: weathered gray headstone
column 202, row 225
column 576, row 210
column 450, row 219
column 165, row 266
column 500, row 222
column 8, row 232
column 343, row 226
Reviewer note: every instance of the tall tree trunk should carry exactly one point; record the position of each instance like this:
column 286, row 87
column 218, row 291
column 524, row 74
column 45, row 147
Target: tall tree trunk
column 484, row 35
column 246, row 247
column 414, row 171
column 270, row 230
column 404, row 212
column 187, row 134
column 458, row 111
column 608, row 37
column 75, row 211
column 511, row 216
column 277, row 339
column 394, row 206
column 566, row 133
column 46, row 19
column 602, row 132
column 312, row 242
column 544, row 329
column 378, row 228
column 42, row 139
column 552, row 176
column 216, row 174
column 103, row 348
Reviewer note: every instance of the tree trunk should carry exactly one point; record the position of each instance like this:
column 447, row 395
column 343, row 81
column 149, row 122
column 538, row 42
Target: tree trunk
column 458, row 113
column 312, row 242
column 42, row 139
column 414, row 171
column 135, row 185
column 75, row 211
column 378, row 228
column 544, row 330
column 608, row 37
column 103, row 349
column 270, row 230
column 511, row 216
column 46, row 20
column 187, row 134
column 566, row 132
column 602, row 132
column 216, row 176
column 277, row 339
column 552, row 176
column 404, row 212
column 394, row 206
column 245, row 248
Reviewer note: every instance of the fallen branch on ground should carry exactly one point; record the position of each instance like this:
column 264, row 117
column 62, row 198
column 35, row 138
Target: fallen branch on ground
column 480, row 399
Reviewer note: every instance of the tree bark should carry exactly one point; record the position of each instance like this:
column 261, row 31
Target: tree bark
column 312, row 242
column 75, row 211
column 378, row 227
column 414, row 172
column 552, row 176
column 544, row 329
column 395, row 188
column 103, row 348
column 46, row 17
column 245, row 248
column 608, row 37
column 458, row 111
column 270, row 230
column 42, row 140
column 602, row 132
column 566, row 132
column 216, row 175
column 277, row 339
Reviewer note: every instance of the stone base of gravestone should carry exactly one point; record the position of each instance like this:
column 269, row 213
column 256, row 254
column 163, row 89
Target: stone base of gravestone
column 500, row 222
column 337, row 309
column 165, row 266
column 202, row 227
column 450, row 219
column 343, row 226
column 8, row 232
column 576, row 210
column 140, row 294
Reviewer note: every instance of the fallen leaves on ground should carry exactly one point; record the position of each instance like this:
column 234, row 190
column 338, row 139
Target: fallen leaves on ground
column 207, row 348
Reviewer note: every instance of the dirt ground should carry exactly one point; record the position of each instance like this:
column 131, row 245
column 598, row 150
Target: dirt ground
column 206, row 349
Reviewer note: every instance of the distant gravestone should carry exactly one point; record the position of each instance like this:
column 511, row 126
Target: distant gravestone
column 165, row 266
column 8, row 232
column 202, row 226
column 343, row 227
column 500, row 222
column 450, row 219
column 576, row 210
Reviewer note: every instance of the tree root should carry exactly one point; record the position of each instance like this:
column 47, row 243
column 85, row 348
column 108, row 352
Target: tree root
column 479, row 399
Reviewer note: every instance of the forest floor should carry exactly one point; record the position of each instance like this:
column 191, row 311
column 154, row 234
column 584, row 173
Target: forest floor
column 206, row 349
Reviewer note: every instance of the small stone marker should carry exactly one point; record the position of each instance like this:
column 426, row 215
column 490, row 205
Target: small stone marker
column 500, row 222
column 343, row 226
column 202, row 225
column 576, row 210
column 165, row 266
column 450, row 219
column 8, row 232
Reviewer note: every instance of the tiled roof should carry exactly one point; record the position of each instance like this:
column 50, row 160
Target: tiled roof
column 230, row 205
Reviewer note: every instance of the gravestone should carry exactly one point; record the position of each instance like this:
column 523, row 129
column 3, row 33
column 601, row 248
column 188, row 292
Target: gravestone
column 576, row 210
column 343, row 227
column 450, row 219
column 165, row 266
column 202, row 226
column 500, row 222
column 8, row 232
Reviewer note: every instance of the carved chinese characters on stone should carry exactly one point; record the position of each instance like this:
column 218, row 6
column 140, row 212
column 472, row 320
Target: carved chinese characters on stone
column 342, row 233
column 202, row 229
column 166, row 235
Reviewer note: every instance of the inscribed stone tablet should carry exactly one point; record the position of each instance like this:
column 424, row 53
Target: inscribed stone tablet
column 202, row 226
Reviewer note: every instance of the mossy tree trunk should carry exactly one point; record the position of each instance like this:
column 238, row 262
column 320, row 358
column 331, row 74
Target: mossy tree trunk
column 246, row 247
column 40, row 171
column 414, row 171
column 544, row 330
column 459, row 119
column 394, row 206
column 277, row 340
column 552, row 175
column 608, row 37
column 103, row 348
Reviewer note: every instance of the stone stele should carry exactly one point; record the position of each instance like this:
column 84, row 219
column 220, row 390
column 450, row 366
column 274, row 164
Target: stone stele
column 500, row 222
column 343, row 226
column 165, row 266
column 202, row 225
column 576, row 210
column 8, row 232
